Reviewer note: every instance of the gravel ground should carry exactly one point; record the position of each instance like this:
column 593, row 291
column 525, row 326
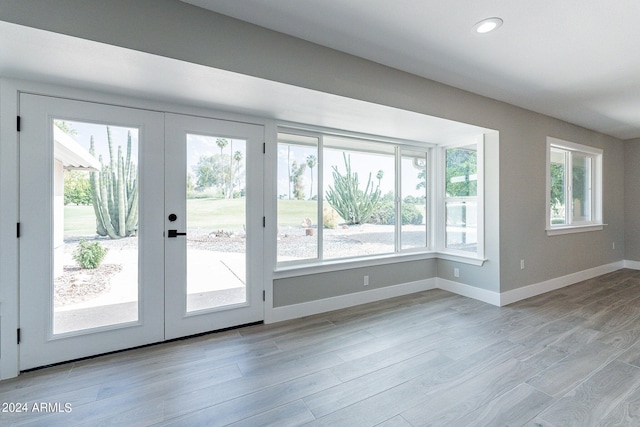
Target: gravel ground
column 354, row 240
column 77, row 285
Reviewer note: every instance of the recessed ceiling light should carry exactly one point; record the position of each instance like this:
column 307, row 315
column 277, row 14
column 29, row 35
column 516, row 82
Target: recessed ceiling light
column 487, row 25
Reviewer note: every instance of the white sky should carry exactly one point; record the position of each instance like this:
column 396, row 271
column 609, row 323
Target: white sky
column 84, row 131
column 361, row 163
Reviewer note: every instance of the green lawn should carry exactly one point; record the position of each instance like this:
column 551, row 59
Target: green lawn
column 215, row 214
column 79, row 221
column 293, row 212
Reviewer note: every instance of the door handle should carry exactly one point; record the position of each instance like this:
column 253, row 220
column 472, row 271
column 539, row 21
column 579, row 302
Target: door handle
column 174, row 233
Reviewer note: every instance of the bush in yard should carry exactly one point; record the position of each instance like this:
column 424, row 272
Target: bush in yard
column 89, row 254
column 385, row 214
column 77, row 188
column 411, row 214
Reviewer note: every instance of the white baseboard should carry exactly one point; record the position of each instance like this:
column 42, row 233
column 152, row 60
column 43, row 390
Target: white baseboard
column 634, row 265
column 469, row 291
column 309, row 308
column 529, row 291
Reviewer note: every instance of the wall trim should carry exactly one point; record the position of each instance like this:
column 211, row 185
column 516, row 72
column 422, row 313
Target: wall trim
column 469, row 291
column 529, row 291
column 309, row 308
column 634, row 265
column 295, row 311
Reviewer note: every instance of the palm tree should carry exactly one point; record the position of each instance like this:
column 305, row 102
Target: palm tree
column 289, row 168
column 237, row 156
column 221, row 143
column 311, row 162
column 231, row 184
column 379, row 176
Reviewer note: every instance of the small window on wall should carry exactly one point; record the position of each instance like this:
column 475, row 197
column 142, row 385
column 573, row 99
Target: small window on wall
column 461, row 198
column 574, row 187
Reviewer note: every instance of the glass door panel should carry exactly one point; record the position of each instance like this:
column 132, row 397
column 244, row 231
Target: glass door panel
column 216, row 222
column 95, row 218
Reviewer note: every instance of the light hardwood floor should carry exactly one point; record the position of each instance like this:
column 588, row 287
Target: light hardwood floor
column 570, row 357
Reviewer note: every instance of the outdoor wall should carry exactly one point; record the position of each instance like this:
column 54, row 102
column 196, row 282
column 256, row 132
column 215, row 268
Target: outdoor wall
column 632, row 199
column 515, row 225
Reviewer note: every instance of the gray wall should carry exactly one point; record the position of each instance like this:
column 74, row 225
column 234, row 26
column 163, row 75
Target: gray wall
column 516, row 206
column 522, row 196
column 295, row 290
column 632, row 199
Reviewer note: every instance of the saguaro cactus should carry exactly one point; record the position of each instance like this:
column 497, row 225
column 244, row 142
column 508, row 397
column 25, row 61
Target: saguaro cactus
column 115, row 193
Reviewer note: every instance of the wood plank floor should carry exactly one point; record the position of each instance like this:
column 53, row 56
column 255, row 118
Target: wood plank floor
column 570, row 357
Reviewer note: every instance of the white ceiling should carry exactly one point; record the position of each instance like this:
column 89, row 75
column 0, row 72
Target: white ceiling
column 575, row 60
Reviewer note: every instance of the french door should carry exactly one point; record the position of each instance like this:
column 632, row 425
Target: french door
column 126, row 237
column 213, row 206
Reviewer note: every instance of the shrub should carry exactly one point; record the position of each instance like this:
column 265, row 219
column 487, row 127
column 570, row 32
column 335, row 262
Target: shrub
column 89, row 254
column 411, row 214
column 385, row 214
column 77, row 188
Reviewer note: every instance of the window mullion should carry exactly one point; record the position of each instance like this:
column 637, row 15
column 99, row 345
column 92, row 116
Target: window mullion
column 428, row 191
column 569, row 188
column 398, row 200
column 320, row 177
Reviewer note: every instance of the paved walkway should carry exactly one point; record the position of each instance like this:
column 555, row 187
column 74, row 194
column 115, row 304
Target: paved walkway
column 215, row 279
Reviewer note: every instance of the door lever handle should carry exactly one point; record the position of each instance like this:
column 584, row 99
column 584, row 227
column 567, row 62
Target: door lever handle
column 174, row 233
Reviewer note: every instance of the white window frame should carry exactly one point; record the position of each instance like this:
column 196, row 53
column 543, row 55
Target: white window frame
column 399, row 146
column 441, row 203
column 435, row 199
column 595, row 154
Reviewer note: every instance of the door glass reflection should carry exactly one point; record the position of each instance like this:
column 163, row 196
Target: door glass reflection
column 95, row 223
column 216, row 222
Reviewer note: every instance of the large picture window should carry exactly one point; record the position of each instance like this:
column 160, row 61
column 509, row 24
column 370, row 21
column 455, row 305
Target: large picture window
column 349, row 197
column 574, row 187
column 346, row 197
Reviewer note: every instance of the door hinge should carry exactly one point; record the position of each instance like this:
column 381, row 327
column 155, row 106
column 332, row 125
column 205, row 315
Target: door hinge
column 18, row 124
column 264, row 147
column 19, row 338
column 18, row 230
column 264, row 221
column 264, row 297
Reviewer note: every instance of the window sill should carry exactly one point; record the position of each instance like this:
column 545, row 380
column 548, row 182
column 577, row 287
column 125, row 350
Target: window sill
column 462, row 258
column 574, row 229
column 294, row 270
